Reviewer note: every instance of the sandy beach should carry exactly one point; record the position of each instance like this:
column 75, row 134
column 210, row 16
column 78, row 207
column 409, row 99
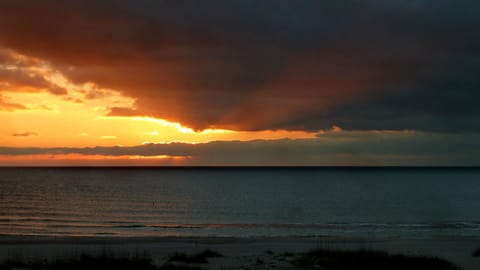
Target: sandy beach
column 239, row 253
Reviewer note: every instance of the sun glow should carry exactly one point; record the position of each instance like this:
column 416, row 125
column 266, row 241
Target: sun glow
column 41, row 107
column 90, row 160
column 177, row 126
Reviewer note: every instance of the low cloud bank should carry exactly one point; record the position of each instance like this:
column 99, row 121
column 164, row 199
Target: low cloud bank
column 343, row 148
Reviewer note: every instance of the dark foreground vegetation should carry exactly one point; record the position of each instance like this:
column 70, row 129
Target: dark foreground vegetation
column 84, row 261
column 315, row 259
column 95, row 262
column 201, row 257
column 370, row 260
column 476, row 253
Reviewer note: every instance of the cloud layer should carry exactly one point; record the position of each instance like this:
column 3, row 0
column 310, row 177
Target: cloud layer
column 273, row 64
column 25, row 134
column 366, row 148
column 5, row 105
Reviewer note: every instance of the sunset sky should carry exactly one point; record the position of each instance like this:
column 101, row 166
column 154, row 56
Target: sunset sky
column 247, row 82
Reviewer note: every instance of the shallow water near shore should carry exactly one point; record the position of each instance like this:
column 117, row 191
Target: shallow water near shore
column 240, row 202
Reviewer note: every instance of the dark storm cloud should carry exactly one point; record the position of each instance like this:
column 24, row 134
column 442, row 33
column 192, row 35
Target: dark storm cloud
column 267, row 64
column 337, row 148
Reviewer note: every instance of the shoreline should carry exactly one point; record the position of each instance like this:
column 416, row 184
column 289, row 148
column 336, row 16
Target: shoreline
column 455, row 249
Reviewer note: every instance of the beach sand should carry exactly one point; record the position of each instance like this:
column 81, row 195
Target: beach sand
column 239, row 253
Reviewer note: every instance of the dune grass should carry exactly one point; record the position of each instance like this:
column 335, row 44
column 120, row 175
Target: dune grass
column 476, row 253
column 370, row 260
column 94, row 262
column 201, row 257
column 315, row 259
column 170, row 266
column 84, row 261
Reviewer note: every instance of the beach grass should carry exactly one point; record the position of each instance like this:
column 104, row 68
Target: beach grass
column 201, row 257
column 315, row 259
column 369, row 260
column 103, row 261
column 84, row 261
column 169, row 266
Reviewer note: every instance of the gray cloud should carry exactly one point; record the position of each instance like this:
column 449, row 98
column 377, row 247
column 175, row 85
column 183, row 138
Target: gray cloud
column 338, row 148
column 272, row 64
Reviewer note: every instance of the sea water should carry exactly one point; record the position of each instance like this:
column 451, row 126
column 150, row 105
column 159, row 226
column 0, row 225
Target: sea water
column 240, row 202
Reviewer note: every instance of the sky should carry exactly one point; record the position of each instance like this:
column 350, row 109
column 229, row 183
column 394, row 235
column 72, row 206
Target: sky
column 239, row 83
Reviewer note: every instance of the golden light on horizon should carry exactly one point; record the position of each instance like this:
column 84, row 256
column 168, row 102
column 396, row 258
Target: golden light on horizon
column 61, row 113
column 63, row 123
column 90, row 160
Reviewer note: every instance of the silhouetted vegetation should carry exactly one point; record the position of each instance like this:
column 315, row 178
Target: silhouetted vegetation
column 287, row 254
column 269, row 252
column 178, row 257
column 108, row 260
column 201, row 257
column 104, row 261
column 476, row 253
column 85, row 261
column 370, row 260
column 315, row 259
column 169, row 266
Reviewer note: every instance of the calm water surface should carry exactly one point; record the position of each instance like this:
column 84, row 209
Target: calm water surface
column 239, row 202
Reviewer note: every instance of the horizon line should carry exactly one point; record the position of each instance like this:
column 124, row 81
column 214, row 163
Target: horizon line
column 243, row 167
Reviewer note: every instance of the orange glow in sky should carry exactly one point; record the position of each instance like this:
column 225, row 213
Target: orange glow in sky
column 78, row 117
column 89, row 160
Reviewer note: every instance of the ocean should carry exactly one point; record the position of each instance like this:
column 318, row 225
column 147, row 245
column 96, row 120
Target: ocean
column 240, row 202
